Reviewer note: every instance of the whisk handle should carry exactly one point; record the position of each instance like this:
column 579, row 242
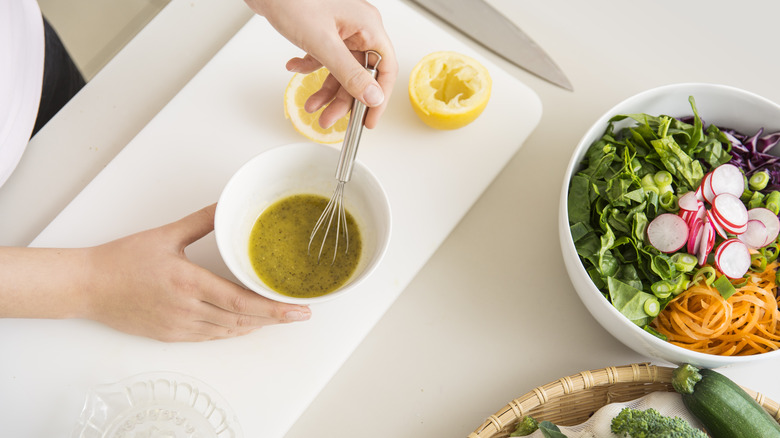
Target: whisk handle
column 354, row 129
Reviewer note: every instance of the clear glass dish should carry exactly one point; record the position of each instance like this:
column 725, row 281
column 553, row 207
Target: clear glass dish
column 156, row 405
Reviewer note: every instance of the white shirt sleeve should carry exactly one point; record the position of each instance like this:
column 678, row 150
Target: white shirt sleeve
column 21, row 77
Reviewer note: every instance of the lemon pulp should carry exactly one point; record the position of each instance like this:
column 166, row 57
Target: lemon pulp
column 449, row 90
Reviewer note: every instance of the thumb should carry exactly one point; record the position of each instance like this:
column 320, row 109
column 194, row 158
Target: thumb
column 351, row 74
column 193, row 227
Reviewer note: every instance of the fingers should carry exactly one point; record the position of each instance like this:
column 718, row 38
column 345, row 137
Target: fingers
column 350, row 73
column 222, row 309
column 340, row 58
column 339, row 100
column 387, row 73
column 304, row 65
column 234, row 306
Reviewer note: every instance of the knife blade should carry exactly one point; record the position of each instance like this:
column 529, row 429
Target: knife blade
column 490, row 28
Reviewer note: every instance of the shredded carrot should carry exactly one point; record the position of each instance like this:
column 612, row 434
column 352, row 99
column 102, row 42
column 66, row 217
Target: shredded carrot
column 747, row 323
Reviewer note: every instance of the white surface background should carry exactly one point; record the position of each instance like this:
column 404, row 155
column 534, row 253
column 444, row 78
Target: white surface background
column 492, row 314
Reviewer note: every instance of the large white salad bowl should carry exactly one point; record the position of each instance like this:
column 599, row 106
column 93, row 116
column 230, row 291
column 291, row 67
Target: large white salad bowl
column 721, row 105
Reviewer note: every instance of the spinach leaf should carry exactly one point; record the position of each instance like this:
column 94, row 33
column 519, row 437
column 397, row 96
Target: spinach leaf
column 550, row 430
column 629, row 301
column 688, row 171
column 578, row 190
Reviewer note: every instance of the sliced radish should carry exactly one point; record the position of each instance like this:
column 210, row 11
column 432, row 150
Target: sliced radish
column 690, row 217
column 710, row 236
column 706, row 189
column 706, row 243
column 727, row 178
column 733, row 258
column 719, row 229
column 688, row 202
column 770, row 221
column 694, row 236
column 730, row 212
column 686, row 215
column 667, row 232
column 755, row 235
column 702, row 212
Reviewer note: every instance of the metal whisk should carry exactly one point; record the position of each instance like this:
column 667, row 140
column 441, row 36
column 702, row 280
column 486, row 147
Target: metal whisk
column 335, row 208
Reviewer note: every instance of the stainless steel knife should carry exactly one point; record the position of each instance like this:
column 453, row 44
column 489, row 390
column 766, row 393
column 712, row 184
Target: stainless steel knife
column 487, row 26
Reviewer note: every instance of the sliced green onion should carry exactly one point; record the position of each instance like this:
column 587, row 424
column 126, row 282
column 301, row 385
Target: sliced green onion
column 647, row 181
column 682, row 284
column 652, row 307
column 759, row 180
column 724, row 287
column 662, row 289
column 756, row 200
column 758, row 262
column 770, row 252
column 741, row 283
column 706, row 274
column 772, row 202
column 655, row 333
column 662, row 178
column 684, row 262
column 668, row 201
column 636, row 164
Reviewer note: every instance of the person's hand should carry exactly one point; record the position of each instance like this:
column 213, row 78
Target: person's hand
column 144, row 284
column 335, row 34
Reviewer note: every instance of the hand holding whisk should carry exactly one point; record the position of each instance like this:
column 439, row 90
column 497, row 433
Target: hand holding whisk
column 334, row 213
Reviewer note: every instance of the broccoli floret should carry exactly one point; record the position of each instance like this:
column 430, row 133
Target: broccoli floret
column 650, row 423
column 526, row 426
column 684, row 378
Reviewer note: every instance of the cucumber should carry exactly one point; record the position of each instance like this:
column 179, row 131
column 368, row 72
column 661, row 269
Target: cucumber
column 725, row 409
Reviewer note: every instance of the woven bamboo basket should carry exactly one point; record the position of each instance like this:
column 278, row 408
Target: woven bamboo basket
column 573, row 399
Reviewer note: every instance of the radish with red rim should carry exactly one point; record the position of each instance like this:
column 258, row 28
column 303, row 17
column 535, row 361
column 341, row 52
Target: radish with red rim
column 733, row 258
column 667, row 232
column 706, row 189
column 688, row 202
column 756, row 234
column 729, row 211
column 769, row 219
column 727, row 178
column 718, row 229
column 694, row 236
column 706, row 243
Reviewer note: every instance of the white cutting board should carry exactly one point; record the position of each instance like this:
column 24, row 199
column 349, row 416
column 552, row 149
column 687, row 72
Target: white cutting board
column 228, row 113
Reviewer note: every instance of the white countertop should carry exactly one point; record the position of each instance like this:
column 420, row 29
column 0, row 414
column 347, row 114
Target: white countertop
column 481, row 323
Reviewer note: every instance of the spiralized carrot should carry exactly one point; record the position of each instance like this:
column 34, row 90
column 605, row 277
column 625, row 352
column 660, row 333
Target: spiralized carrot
column 747, row 323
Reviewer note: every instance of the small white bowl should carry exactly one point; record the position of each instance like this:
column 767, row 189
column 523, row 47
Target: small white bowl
column 306, row 168
column 721, row 105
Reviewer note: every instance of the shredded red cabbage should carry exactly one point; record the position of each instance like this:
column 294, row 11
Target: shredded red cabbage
column 752, row 154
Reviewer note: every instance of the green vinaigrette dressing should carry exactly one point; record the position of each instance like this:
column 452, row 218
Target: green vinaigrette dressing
column 278, row 248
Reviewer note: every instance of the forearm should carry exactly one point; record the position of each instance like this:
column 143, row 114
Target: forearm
column 43, row 282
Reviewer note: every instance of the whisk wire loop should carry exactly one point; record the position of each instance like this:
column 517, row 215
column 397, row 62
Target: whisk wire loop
column 335, row 207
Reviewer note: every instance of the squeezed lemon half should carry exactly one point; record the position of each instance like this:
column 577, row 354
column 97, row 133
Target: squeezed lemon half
column 299, row 89
column 449, row 90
